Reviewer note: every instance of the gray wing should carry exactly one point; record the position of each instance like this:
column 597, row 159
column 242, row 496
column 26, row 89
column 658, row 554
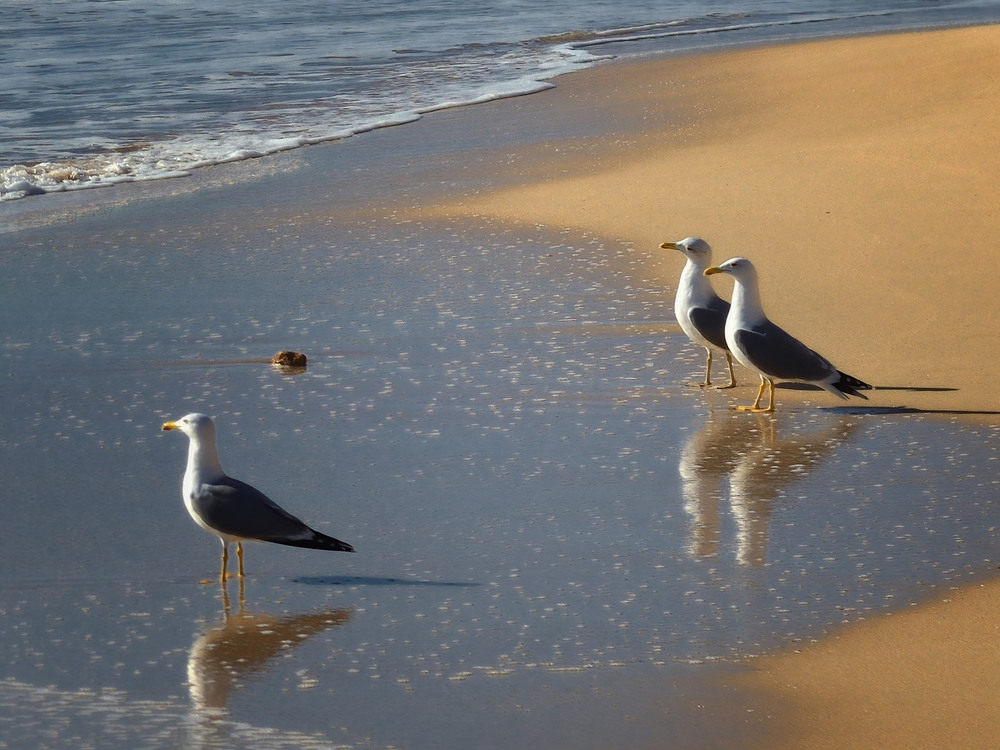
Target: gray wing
column 711, row 321
column 234, row 507
column 780, row 355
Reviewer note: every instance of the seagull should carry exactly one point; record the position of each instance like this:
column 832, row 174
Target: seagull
column 700, row 311
column 233, row 510
column 768, row 350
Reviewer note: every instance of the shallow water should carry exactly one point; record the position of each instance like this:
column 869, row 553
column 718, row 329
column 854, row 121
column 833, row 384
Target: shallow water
column 557, row 539
column 100, row 93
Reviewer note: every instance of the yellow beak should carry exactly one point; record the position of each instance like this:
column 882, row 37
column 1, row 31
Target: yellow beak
column 170, row 426
column 669, row 246
column 708, row 272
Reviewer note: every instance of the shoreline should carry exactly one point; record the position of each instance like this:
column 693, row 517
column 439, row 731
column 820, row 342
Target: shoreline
column 876, row 153
column 865, row 150
column 757, row 149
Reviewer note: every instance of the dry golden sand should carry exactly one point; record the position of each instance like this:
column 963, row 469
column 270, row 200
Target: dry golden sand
column 862, row 176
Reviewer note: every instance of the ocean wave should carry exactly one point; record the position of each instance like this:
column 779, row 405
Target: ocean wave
column 664, row 31
column 410, row 89
column 247, row 107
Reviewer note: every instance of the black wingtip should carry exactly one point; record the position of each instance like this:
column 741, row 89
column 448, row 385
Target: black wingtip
column 851, row 385
column 317, row 541
column 334, row 545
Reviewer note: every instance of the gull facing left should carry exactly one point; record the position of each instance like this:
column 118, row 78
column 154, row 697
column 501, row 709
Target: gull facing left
column 233, row 510
column 770, row 351
column 701, row 312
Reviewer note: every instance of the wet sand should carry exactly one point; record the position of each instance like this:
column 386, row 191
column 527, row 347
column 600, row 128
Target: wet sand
column 861, row 176
column 921, row 678
column 559, row 543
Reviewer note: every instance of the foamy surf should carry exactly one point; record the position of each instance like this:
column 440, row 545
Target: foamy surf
column 101, row 94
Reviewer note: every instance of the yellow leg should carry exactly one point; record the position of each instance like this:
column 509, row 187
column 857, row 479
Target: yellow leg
column 225, row 561
column 708, row 368
column 732, row 376
column 770, row 398
column 760, row 394
column 239, row 555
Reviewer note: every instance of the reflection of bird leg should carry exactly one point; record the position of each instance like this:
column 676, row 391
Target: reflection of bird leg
column 710, row 454
column 762, row 471
column 768, row 432
column 227, row 607
column 751, row 495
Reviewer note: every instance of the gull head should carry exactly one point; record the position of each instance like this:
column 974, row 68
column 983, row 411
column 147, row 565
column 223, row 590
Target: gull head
column 195, row 426
column 739, row 268
column 695, row 249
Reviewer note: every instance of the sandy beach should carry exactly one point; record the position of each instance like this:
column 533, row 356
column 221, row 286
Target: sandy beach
column 861, row 176
column 560, row 544
column 921, row 678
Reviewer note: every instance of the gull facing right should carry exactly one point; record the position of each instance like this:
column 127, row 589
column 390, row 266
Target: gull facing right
column 770, row 351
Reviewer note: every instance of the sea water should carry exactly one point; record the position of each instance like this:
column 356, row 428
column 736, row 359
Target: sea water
column 97, row 93
column 556, row 537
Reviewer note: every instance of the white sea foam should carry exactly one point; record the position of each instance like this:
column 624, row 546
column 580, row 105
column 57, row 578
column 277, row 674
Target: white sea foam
column 280, row 129
column 99, row 94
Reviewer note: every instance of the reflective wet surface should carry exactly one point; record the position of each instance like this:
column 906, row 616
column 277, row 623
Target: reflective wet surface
column 553, row 531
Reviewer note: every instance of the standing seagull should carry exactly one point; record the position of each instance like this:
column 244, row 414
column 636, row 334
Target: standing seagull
column 768, row 350
column 700, row 311
column 233, row 510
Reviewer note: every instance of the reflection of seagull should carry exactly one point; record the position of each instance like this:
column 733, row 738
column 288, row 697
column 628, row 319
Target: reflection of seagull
column 708, row 456
column 763, row 470
column 242, row 645
column 233, row 510
column 758, row 464
column 699, row 310
column 767, row 349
